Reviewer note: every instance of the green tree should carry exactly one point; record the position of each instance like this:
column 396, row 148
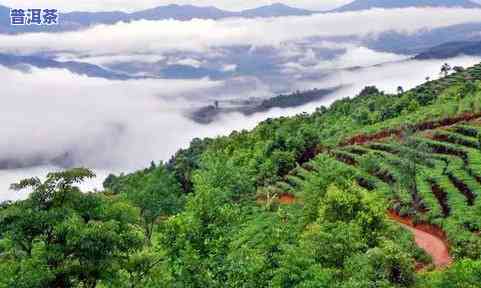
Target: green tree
column 362, row 116
column 445, row 69
column 400, row 90
column 196, row 241
column 157, row 194
column 463, row 274
column 329, row 172
column 384, row 266
column 354, row 204
column 186, row 161
column 60, row 237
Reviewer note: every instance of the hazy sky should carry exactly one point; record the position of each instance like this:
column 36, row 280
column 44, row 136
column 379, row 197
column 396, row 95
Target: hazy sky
column 130, row 5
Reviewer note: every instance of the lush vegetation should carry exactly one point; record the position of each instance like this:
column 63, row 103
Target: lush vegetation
column 214, row 215
column 295, row 99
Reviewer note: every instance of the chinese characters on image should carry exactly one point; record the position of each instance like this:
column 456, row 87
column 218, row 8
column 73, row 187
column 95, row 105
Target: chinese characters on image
column 34, row 16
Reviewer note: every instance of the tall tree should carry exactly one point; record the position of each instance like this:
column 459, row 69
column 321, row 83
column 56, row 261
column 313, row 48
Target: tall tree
column 60, row 237
column 445, row 69
column 400, row 90
column 157, row 194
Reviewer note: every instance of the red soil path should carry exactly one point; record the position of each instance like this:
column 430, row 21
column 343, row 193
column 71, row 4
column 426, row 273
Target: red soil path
column 428, row 125
column 287, row 199
column 284, row 199
column 429, row 238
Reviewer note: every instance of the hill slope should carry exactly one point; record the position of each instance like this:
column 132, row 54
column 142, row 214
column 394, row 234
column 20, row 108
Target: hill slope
column 419, row 151
column 452, row 49
column 298, row 201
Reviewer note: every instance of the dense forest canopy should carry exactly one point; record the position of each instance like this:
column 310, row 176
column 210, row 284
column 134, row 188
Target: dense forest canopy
column 214, row 215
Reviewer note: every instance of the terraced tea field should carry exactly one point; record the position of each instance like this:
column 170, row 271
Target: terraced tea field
column 432, row 175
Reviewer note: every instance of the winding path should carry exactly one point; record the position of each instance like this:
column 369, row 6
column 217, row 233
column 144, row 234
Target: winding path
column 429, row 238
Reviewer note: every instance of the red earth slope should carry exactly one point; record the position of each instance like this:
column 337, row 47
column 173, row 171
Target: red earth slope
column 429, row 238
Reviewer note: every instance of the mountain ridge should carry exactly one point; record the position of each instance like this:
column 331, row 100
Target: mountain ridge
column 80, row 68
column 77, row 20
column 359, row 5
column 451, row 49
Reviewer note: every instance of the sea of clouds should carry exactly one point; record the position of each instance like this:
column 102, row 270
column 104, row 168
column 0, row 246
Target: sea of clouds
column 203, row 35
column 116, row 126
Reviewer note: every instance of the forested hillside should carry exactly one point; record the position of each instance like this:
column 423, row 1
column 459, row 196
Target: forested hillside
column 451, row 49
column 305, row 201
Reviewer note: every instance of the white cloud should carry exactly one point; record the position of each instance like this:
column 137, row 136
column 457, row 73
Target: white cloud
column 186, row 61
column 106, row 59
column 147, row 37
column 229, row 67
column 53, row 112
column 362, row 56
column 389, row 76
column 123, row 125
column 355, row 56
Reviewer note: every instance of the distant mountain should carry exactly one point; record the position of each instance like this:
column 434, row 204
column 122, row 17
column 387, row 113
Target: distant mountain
column 89, row 18
column 180, row 12
column 388, row 4
column 189, row 72
column 79, row 20
column 14, row 61
column 413, row 44
column 64, row 160
column 275, row 10
column 4, row 16
column 452, row 49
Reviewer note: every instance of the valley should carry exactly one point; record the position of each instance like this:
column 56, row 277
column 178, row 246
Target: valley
column 245, row 144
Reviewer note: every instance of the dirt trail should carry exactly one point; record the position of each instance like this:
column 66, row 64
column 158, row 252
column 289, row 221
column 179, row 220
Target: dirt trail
column 428, row 237
column 284, row 199
column 287, row 199
column 428, row 125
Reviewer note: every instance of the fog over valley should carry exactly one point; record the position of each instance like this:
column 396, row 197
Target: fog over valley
column 240, row 143
column 116, row 97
